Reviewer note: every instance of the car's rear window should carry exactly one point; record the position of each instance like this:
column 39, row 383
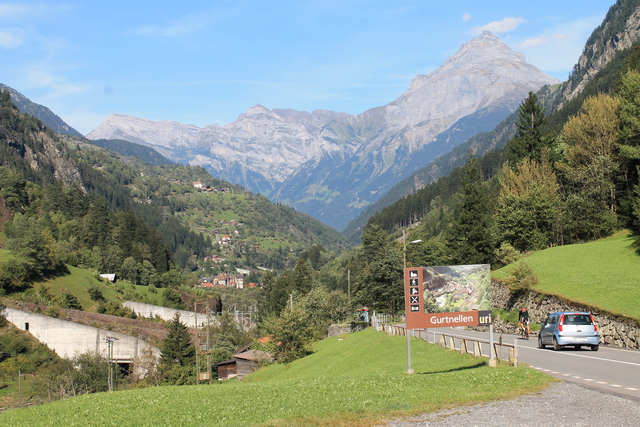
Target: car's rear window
column 577, row 319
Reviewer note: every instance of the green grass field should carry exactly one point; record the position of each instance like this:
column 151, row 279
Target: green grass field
column 603, row 274
column 353, row 380
column 79, row 279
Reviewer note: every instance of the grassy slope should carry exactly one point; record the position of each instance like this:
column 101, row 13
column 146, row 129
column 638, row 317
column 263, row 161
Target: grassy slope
column 354, row 380
column 79, row 279
column 603, row 274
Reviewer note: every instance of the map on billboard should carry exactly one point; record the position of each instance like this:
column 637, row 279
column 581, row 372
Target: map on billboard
column 457, row 288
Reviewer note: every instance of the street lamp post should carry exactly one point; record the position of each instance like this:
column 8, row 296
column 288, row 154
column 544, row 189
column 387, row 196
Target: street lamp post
column 406, row 329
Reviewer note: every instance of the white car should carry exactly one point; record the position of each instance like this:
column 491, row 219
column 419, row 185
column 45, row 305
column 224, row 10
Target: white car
column 569, row 328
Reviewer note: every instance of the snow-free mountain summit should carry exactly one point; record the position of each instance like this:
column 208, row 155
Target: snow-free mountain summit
column 332, row 165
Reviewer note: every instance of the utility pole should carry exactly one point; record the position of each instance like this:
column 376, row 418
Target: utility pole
column 111, row 381
column 203, row 346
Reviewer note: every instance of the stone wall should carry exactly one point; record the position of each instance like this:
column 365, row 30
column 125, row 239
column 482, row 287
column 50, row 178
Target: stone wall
column 616, row 331
column 335, row 330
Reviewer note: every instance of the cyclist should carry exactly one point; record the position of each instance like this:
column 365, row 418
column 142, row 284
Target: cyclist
column 523, row 319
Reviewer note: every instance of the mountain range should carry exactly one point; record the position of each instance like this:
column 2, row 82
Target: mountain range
column 333, row 165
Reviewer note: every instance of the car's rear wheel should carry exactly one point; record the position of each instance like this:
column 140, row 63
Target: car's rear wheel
column 540, row 343
column 556, row 346
column 595, row 347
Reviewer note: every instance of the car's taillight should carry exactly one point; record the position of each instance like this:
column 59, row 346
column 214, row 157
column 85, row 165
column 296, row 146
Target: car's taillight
column 560, row 322
column 593, row 321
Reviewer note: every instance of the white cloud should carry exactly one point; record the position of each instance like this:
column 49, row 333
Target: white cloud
column 38, row 77
column 536, row 41
column 542, row 39
column 179, row 27
column 8, row 10
column 556, row 49
column 10, row 39
column 14, row 10
column 498, row 27
column 466, row 17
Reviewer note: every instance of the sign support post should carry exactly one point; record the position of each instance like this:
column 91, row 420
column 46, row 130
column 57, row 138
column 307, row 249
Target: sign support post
column 492, row 351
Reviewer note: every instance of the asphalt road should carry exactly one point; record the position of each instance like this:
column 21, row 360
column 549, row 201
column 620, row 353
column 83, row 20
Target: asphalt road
column 610, row 370
column 600, row 388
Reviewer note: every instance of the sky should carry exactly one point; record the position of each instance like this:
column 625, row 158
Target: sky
column 207, row 62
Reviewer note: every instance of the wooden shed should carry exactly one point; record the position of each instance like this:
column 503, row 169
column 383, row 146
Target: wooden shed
column 243, row 363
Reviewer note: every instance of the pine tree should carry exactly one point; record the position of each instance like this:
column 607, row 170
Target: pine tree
column 529, row 141
column 177, row 348
column 470, row 233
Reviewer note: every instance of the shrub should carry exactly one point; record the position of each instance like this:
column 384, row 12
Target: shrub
column 522, row 278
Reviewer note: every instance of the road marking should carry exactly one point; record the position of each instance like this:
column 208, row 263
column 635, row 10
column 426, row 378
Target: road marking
column 587, row 379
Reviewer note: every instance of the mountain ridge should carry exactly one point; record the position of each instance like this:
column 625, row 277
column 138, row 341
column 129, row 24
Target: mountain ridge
column 331, row 165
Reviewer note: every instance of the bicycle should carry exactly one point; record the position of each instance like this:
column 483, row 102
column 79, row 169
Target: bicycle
column 524, row 330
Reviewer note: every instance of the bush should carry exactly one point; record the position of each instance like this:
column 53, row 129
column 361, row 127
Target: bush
column 506, row 254
column 95, row 293
column 522, row 278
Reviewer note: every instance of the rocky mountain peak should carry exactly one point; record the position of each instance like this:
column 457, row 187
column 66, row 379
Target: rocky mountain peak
column 485, row 43
column 484, row 52
column 258, row 109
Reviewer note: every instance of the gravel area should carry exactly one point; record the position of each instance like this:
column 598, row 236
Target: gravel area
column 561, row 404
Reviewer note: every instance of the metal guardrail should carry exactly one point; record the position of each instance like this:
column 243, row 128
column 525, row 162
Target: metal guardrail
column 464, row 345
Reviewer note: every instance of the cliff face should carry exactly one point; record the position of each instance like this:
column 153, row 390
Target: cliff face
column 332, row 165
column 619, row 31
column 37, row 147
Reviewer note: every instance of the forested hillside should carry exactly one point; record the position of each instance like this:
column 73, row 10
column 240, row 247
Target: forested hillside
column 607, row 52
column 70, row 202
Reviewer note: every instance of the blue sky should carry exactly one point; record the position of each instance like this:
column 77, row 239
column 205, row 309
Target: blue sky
column 205, row 62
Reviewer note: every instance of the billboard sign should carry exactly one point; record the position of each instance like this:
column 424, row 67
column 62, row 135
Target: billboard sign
column 447, row 296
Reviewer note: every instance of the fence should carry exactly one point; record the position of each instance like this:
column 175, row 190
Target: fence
column 464, row 345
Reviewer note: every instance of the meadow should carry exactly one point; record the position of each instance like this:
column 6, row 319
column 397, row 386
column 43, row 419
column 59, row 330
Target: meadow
column 355, row 379
column 604, row 274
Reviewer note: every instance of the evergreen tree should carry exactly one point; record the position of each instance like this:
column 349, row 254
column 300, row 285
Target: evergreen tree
column 379, row 283
column 177, row 348
column 470, row 230
column 529, row 141
column 301, row 280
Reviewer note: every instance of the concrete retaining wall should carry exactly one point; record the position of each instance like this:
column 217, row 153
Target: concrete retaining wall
column 190, row 319
column 69, row 339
